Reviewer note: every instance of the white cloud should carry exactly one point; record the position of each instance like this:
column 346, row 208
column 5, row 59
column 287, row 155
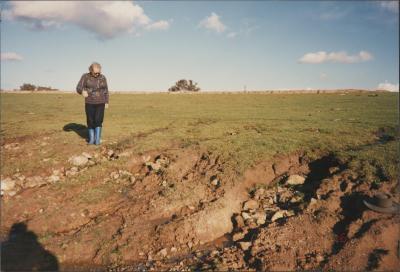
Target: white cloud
column 11, row 56
column 323, row 76
column 105, row 19
column 159, row 25
column 213, row 23
column 341, row 57
column 392, row 6
column 232, row 34
column 388, row 86
column 333, row 15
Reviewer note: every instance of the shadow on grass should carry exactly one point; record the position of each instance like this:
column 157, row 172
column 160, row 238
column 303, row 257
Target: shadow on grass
column 23, row 252
column 79, row 129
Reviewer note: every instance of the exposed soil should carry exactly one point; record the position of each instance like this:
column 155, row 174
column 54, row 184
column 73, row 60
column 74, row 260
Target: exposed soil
column 183, row 208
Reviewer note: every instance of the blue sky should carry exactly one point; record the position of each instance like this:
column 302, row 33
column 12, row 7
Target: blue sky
column 222, row 45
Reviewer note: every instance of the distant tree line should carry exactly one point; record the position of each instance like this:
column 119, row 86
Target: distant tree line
column 184, row 85
column 31, row 87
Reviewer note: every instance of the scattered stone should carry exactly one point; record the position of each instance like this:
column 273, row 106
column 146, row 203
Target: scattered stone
column 41, row 210
column 12, row 193
column 87, row 155
column 238, row 236
column 78, row 160
column 320, row 257
column 173, row 249
column 246, row 216
column 277, row 215
column 313, row 201
column 245, row 245
column 19, row 177
column 7, row 184
column 198, row 254
column 71, row 172
column 163, row 252
column 85, row 213
column 153, row 166
column 214, row 253
column 285, row 196
column 333, row 170
column 296, row 199
column 163, row 161
column 281, row 214
column 295, row 180
column 12, row 146
column 259, row 193
column 250, row 205
column 53, row 178
column 215, row 181
column 239, row 221
column 260, row 218
column 124, row 173
column 114, row 175
column 146, row 158
column 132, row 179
column 105, row 180
column 35, row 181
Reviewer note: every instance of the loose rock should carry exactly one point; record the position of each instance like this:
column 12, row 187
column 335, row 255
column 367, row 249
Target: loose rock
column 215, row 182
column 295, row 180
column 238, row 236
column 87, row 155
column 78, row 160
column 239, row 221
column 245, row 245
column 246, row 216
column 281, row 214
column 7, row 185
column 163, row 252
column 250, row 205
column 260, row 218
column 35, row 181
column 53, row 178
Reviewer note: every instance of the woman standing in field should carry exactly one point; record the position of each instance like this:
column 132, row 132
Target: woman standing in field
column 93, row 86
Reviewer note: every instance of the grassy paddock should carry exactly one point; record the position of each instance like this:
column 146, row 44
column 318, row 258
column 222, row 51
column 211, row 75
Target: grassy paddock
column 243, row 128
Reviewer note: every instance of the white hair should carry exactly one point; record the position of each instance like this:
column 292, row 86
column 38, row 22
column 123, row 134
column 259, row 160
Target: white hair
column 94, row 64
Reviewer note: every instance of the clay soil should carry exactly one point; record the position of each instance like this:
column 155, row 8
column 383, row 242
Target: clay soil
column 184, row 209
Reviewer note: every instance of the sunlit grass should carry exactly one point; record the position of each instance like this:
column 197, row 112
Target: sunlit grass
column 243, row 128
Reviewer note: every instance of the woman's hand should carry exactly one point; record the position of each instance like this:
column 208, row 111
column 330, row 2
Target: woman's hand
column 106, row 105
column 84, row 93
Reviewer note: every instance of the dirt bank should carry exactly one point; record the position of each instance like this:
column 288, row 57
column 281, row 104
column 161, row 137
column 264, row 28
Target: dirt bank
column 185, row 208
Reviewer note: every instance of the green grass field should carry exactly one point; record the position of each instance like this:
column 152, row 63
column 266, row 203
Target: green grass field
column 242, row 128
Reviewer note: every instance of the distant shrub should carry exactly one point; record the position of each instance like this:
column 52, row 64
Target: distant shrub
column 184, row 85
column 41, row 88
column 27, row 87
column 31, row 87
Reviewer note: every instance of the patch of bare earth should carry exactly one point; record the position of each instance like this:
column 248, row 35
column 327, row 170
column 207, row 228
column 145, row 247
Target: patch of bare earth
column 184, row 208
